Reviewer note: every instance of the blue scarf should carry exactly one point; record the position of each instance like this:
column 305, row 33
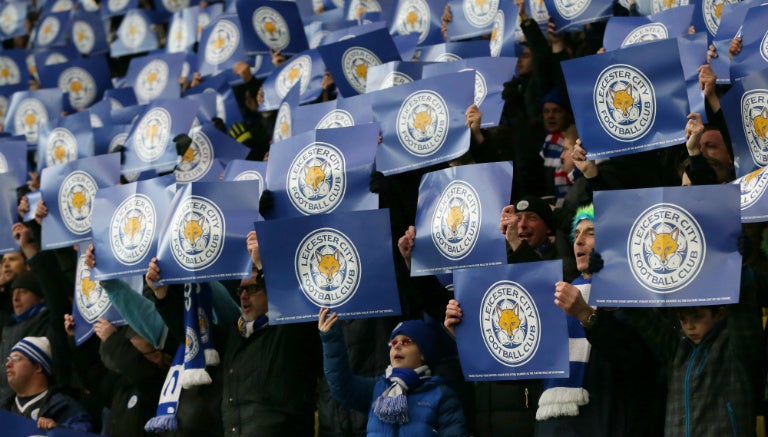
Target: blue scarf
column 247, row 329
column 198, row 351
column 168, row 405
column 564, row 396
column 392, row 405
column 30, row 312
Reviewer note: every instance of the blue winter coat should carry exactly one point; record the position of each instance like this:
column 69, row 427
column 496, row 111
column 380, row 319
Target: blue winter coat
column 433, row 408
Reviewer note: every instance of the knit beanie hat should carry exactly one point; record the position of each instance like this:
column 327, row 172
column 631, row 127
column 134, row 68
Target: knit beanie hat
column 539, row 206
column 28, row 281
column 421, row 333
column 37, row 350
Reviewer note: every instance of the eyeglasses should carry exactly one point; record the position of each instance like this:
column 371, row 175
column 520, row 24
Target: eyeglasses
column 250, row 289
column 404, row 342
column 14, row 358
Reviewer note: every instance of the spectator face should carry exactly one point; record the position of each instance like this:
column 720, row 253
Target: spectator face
column 525, row 62
column 713, row 146
column 253, row 299
column 13, row 264
column 19, row 371
column 697, row 322
column 556, row 119
column 583, row 243
column 531, row 228
column 566, row 156
column 23, row 300
column 404, row 353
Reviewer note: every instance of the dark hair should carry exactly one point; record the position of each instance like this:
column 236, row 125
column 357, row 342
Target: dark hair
column 690, row 311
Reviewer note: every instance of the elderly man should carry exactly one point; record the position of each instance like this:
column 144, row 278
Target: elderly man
column 29, row 368
column 528, row 225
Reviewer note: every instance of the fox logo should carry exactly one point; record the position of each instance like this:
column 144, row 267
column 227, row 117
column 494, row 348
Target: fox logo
column 361, row 70
column 189, row 155
column 412, row 18
column 328, row 265
column 622, row 100
column 664, row 244
column 193, row 230
column 760, row 124
column 87, row 286
column 508, row 319
column 314, row 175
column 422, row 120
column 270, row 27
column 455, row 217
column 78, row 200
column 59, row 153
column 293, row 75
column 132, row 227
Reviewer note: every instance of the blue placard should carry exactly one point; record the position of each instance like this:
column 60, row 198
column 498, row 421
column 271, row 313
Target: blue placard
column 621, row 32
column 155, row 76
column 83, row 80
column 116, row 8
column 745, row 108
column 241, row 170
column 629, row 100
column 490, row 76
column 457, row 219
column 107, row 138
column 134, row 34
column 203, row 238
column 91, row 301
column 150, row 143
column 226, row 105
column 87, row 33
column 50, row 30
column 182, row 30
column 693, row 54
column 731, row 20
column 510, row 328
column 348, row 31
column 471, row 18
column 452, row 51
column 32, row 199
column 30, row 109
column 13, row 14
column 13, row 158
column 667, row 246
column 221, row 45
column 336, row 113
column 126, row 223
column 323, row 171
column 754, row 39
column 8, row 212
column 329, row 260
column 571, row 14
column 422, row 123
column 166, row 8
column 68, row 192
column 362, row 11
column 305, row 69
column 754, row 202
column 393, row 73
column 707, row 16
column 15, row 425
column 270, row 25
column 206, row 108
column 348, row 60
column 284, row 119
column 506, row 26
column 121, row 97
column 206, row 156
column 14, row 67
column 419, row 17
column 65, row 140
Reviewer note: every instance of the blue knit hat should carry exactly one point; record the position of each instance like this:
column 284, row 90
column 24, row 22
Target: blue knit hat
column 421, row 333
column 37, row 350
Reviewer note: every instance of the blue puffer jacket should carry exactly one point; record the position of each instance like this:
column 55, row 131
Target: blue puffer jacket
column 433, row 408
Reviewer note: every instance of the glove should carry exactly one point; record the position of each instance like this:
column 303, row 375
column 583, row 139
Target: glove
column 376, row 182
column 240, row 132
column 219, row 124
column 266, row 202
column 595, row 262
column 183, row 141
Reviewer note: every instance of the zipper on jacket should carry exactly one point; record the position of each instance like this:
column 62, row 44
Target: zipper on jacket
column 731, row 418
column 702, row 361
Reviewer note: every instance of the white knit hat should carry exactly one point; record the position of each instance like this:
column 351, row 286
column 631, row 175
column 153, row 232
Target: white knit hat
column 37, row 350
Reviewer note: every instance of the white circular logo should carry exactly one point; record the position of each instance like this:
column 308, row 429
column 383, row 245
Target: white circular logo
column 510, row 323
column 48, row 30
column 222, row 42
column 61, row 147
column 133, row 401
column 754, row 120
column 178, row 37
column 83, row 36
column 753, row 187
column 197, row 160
column 358, row 8
column 9, row 19
column 316, row 180
column 133, row 30
column 9, row 71
column 117, row 5
column 539, row 11
column 394, row 78
column 271, row 28
column 712, row 10
column 117, row 140
column 480, row 13
column 334, row 119
column 662, row 5
column 413, row 16
column 251, row 175
column 192, row 344
column 328, row 267
column 152, row 134
column 497, row 34
column 283, row 128
column 29, row 115
column 355, row 62
column 448, row 57
column 92, row 301
column 80, row 85
column 197, row 233
column 645, row 33
column 131, row 229
column 422, row 123
column 625, row 102
column 151, row 80
column 175, row 5
column 456, row 220
column 76, row 195
column 666, row 248
column 34, row 414
column 764, row 47
column 297, row 70
column 571, row 8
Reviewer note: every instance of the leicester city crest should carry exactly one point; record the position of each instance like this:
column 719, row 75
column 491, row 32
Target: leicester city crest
column 316, row 180
column 538, row 11
column 91, row 300
column 178, row 36
column 29, row 115
column 83, row 36
column 76, row 195
column 355, row 62
column 297, row 69
column 151, row 80
column 665, row 248
column 191, row 344
column 197, row 160
column 712, row 11
column 422, row 123
column 413, row 16
column 152, row 134
column 328, row 267
column 48, row 30
column 222, row 42
column 662, row 5
column 645, row 33
column 754, row 120
column 336, row 118
column 456, row 221
column 510, row 323
column 80, row 85
column 570, row 9
column 117, row 5
column 131, row 229
column 175, row 5
column 283, row 128
column 497, row 34
column 9, row 71
column 394, row 78
column 197, row 233
column 753, row 187
column 448, row 57
column 271, row 28
column 133, row 30
column 9, row 18
column 358, row 8
column 480, row 13
column 625, row 102
column 61, row 147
